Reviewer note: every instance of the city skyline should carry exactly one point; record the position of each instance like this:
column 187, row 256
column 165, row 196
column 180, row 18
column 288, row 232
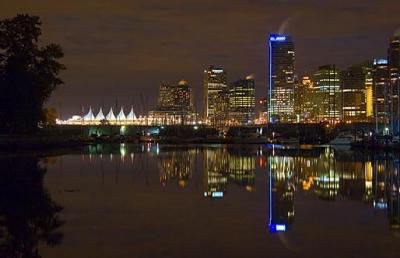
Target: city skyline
column 200, row 128
column 139, row 41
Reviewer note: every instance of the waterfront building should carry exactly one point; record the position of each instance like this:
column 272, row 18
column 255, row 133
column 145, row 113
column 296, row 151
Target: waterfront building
column 380, row 86
column 369, row 103
column 281, row 79
column 175, row 97
column 356, row 93
column 242, row 101
column 174, row 105
column 394, row 83
column 263, row 111
column 305, row 106
column 221, row 116
column 215, row 82
column 328, row 95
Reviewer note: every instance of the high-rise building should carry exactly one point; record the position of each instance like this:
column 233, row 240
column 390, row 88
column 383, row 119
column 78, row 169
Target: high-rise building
column 242, row 101
column 369, row 104
column 305, row 106
column 221, row 116
column 174, row 104
column 215, row 81
column 380, row 92
column 327, row 87
column 394, row 83
column 175, row 97
column 355, row 82
column 281, row 79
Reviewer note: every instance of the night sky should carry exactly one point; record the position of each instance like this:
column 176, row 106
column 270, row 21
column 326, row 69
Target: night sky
column 118, row 49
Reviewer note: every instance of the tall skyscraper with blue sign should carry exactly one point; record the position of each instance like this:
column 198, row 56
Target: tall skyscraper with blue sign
column 281, row 79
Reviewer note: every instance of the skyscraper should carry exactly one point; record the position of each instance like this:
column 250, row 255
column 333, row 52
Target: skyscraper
column 380, row 91
column 281, row 79
column 305, row 105
column 327, row 87
column 215, row 82
column 242, row 101
column 174, row 104
column 355, row 81
column 369, row 109
column 175, row 97
column 394, row 83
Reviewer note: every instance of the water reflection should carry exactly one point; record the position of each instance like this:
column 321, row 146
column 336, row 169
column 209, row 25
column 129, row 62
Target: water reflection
column 331, row 175
column 28, row 215
column 281, row 193
column 176, row 165
column 326, row 174
column 223, row 165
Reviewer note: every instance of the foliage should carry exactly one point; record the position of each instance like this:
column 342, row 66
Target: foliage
column 49, row 116
column 28, row 73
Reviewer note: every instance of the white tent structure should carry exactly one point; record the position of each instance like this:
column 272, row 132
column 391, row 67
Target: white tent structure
column 131, row 116
column 100, row 116
column 110, row 116
column 121, row 116
column 89, row 116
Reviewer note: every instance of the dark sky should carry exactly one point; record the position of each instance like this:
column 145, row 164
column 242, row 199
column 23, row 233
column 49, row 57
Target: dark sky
column 122, row 48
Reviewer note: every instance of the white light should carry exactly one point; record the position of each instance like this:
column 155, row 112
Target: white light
column 280, row 227
column 217, row 194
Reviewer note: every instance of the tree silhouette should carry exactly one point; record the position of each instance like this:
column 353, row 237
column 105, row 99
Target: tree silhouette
column 28, row 73
column 28, row 215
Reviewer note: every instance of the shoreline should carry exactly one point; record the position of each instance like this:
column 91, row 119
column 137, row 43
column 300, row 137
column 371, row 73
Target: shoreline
column 59, row 144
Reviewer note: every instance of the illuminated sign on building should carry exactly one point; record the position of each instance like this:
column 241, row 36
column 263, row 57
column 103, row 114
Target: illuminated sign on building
column 380, row 61
column 277, row 38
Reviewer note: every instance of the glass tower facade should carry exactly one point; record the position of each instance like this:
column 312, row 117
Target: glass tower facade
column 242, row 101
column 327, row 87
column 394, row 83
column 356, row 80
column 380, row 92
column 215, row 84
column 281, row 79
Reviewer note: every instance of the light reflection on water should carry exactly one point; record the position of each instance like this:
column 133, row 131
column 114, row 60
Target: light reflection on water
column 326, row 173
column 277, row 182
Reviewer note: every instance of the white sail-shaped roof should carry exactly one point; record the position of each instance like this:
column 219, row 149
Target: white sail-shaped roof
column 131, row 115
column 100, row 116
column 89, row 116
column 121, row 116
column 110, row 116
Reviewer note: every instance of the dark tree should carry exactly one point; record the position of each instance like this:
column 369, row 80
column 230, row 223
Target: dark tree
column 28, row 74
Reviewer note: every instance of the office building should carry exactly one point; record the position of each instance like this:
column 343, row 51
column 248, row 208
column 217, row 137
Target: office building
column 305, row 106
column 356, row 80
column 281, row 79
column 215, row 82
column 394, row 83
column 328, row 95
column 174, row 104
column 242, row 101
column 380, row 86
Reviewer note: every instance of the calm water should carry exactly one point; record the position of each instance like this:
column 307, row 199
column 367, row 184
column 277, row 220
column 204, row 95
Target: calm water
column 200, row 201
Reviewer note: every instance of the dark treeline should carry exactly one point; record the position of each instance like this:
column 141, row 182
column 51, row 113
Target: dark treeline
column 28, row 74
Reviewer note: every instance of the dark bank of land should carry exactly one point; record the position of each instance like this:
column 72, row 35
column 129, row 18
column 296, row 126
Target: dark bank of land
column 75, row 136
